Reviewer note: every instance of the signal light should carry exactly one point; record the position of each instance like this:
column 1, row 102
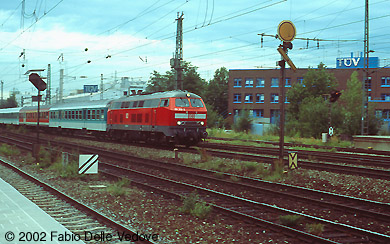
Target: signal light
column 334, row 95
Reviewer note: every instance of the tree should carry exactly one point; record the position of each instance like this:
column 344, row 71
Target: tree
column 216, row 92
column 351, row 106
column 10, row 102
column 191, row 80
column 214, row 119
column 244, row 122
column 351, row 99
column 308, row 112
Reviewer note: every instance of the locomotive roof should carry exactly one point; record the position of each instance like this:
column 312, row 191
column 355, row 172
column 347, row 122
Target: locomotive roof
column 80, row 105
column 10, row 110
column 158, row 95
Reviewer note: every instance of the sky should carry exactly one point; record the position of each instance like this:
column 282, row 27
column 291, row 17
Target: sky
column 122, row 38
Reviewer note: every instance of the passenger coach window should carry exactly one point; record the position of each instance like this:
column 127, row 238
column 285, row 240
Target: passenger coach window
column 164, row 103
column 197, row 103
column 182, row 102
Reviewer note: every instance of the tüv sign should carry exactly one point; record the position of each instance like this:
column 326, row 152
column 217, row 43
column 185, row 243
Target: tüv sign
column 91, row 88
column 356, row 62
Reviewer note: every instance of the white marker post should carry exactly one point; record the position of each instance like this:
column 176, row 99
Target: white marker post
column 88, row 164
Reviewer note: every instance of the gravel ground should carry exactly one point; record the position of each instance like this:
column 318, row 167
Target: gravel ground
column 151, row 213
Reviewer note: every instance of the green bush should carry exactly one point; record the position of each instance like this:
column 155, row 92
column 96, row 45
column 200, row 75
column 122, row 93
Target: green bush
column 315, row 229
column 243, row 123
column 201, row 210
column 66, row 171
column 189, row 202
column 290, row 220
column 119, row 187
column 192, row 205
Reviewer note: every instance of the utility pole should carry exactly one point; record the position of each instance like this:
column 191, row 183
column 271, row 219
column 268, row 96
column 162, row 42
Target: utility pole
column 177, row 61
column 364, row 129
column 48, row 91
column 2, row 98
column 101, row 86
column 61, row 91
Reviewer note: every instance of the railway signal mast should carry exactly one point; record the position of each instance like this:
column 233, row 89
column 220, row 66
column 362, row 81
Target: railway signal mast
column 37, row 81
column 177, row 61
column 286, row 33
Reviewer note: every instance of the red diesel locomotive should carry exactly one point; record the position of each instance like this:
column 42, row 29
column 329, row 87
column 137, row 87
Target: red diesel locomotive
column 178, row 117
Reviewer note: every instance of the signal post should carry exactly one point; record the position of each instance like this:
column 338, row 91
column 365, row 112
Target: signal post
column 286, row 33
column 37, row 81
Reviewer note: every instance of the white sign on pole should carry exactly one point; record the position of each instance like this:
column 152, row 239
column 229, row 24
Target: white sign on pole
column 88, row 164
column 331, row 131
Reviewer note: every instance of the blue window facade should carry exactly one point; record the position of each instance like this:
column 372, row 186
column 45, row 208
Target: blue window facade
column 275, row 82
column 288, row 82
column 385, row 96
column 248, row 98
column 248, row 82
column 237, row 98
column 237, row 82
column 258, row 113
column 274, row 97
column 259, row 82
column 260, row 98
column 385, row 81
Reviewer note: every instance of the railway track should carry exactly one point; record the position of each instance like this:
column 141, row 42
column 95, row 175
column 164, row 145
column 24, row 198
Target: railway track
column 345, row 158
column 287, row 144
column 248, row 153
column 244, row 208
column 81, row 220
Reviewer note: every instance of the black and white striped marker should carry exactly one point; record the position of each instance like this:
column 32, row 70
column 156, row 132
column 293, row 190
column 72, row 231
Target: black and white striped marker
column 88, row 164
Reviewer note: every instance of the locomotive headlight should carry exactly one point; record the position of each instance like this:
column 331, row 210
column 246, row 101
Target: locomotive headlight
column 201, row 123
column 178, row 122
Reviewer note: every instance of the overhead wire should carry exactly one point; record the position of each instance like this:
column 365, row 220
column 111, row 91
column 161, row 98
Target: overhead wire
column 173, row 36
column 5, row 21
column 23, row 31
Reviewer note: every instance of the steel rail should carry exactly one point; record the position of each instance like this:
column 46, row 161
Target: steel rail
column 99, row 216
column 254, row 184
column 317, row 219
column 244, row 205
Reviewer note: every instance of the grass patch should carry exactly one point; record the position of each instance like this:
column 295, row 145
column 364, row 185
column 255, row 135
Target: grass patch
column 290, row 220
column 194, row 206
column 8, row 150
column 315, row 229
column 276, row 174
column 66, row 171
column 118, row 188
column 333, row 142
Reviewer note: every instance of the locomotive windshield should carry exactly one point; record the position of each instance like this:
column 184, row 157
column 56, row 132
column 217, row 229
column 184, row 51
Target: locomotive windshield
column 196, row 103
column 182, row 102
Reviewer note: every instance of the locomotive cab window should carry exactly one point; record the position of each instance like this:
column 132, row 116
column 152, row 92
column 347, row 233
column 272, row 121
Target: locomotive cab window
column 196, row 103
column 164, row 103
column 182, row 102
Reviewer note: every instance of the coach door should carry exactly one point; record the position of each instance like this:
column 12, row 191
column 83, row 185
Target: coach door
column 84, row 123
column 153, row 118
